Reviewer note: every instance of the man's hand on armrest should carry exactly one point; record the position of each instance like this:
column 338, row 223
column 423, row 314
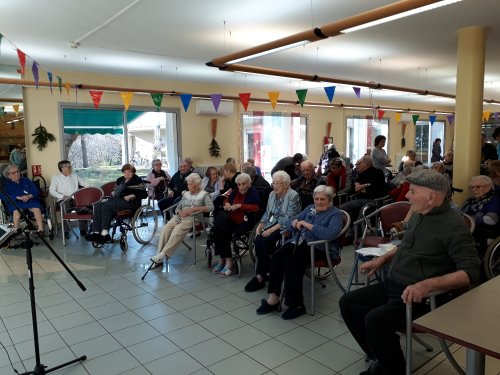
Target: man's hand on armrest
column 418, row 291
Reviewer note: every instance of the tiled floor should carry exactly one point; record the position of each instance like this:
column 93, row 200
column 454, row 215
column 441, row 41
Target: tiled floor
column 180, row 320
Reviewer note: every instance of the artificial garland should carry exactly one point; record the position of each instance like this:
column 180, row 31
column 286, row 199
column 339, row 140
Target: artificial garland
column 214, row 148
column 42, row 137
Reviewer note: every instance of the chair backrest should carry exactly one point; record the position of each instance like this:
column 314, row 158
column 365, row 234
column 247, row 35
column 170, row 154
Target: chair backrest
column 108, row 188
column 392, row 213
column 346, row 224
column 87, row 196
column 469, row 221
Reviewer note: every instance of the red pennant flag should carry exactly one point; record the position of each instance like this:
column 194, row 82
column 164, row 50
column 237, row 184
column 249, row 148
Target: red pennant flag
column 380, row 114
column 22, row 60
column 96, row 97
column 245, row 99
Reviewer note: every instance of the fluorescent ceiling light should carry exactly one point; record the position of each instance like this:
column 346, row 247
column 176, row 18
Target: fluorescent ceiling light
column 268, row 52
column 400, row 15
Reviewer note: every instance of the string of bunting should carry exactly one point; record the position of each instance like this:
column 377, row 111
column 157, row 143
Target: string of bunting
column 157, row 98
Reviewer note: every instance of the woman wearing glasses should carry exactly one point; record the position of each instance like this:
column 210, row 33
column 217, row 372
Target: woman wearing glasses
column 25, row 194
column 158, row 180
column 484, row 207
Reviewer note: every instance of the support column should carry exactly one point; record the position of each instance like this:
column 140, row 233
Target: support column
column 469, row 107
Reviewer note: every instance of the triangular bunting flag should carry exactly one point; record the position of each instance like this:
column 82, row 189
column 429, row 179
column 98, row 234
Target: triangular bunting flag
column 273, row 97
column 216, row 98
column 36, row 77
column 157, row 99
column 357, row 91
column 22, row 60
column 186, row 99
column 68, row 87
column 126, row 98
column 486, row 115
column 330, row 92
column 301, row 94
column 495, row 116
column 450, row 119
column 432, row 119
column 49, row 74
column 397, row 116
column 245, row 99
column 15, row 107
column 59, row 83
column 415, row 119
column 96, row 96
column 76, row 92
column 380, row 114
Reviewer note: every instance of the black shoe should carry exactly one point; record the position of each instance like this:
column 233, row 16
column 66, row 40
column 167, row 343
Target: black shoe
column 254, row 285
column 266, row 308
column 293, row 312
column 93, row 237
column 106, row 238
column 374, row 369
column 83, row 233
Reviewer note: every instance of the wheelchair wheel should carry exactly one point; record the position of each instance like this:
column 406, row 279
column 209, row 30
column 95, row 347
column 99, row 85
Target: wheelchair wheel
column 209, row 256
column 251, row 247
column 144, row 224
column 492, row 259
column 123, row 243
column 237, row 266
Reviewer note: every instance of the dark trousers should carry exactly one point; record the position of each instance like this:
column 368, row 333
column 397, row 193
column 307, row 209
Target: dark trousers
column 104, row 212
column 290, row 263
column 373, row 319
column 264, row 248
column 353, row 207
column 223, row 231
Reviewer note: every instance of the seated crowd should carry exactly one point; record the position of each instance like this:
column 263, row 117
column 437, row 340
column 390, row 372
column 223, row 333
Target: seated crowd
column 300, row 206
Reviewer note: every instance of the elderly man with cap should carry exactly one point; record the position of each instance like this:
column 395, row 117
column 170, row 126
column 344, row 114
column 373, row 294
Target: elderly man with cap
column 437, row 253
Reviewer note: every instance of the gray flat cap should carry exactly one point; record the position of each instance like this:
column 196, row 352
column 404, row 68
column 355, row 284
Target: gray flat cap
column 431, row 179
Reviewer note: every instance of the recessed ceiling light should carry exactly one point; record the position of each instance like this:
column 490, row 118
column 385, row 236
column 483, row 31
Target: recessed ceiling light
column 74, row 44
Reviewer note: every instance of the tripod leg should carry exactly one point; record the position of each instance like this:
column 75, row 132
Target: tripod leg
column 82, row 358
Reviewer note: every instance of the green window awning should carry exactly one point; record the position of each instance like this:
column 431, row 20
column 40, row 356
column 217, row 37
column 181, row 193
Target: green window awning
column 92, row 121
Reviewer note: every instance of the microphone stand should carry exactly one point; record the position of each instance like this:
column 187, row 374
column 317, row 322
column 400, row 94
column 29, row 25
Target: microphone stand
column 27, row 244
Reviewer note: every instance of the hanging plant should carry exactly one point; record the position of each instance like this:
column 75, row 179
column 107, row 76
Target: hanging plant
column 214, row 148
column 42, row 137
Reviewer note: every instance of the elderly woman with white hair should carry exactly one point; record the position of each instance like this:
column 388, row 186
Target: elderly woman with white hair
column 318, row 221
column 283, row 204
column 484, row 207
column 193, row 200
column 237, row 217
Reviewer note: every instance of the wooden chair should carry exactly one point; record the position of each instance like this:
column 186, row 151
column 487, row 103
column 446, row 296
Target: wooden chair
column 83, row 198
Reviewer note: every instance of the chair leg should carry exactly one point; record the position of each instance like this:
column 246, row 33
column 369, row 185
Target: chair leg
column 409, row 351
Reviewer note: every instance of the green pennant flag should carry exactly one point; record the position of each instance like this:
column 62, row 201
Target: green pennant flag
column 157, row 98
column 415, row 119
column 59, row 83
column 301, row 94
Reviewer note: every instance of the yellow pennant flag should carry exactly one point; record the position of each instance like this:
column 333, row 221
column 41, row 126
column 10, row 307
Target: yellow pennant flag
column 397, row 116
column 127, row 99
column 273, row 97
column 486, row 115
column 68, row 87
column 15, row 107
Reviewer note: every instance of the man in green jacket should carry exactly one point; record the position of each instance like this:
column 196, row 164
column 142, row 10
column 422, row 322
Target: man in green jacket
column 437, row 253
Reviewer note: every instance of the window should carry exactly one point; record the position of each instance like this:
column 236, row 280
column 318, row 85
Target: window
column 361, row 133
column 425, row 134
column 99, row 142
column 268, row 137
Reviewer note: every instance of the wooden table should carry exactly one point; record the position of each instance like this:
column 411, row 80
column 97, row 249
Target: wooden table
column 471, row 320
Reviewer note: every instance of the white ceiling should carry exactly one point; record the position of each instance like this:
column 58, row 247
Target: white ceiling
column 174, row 39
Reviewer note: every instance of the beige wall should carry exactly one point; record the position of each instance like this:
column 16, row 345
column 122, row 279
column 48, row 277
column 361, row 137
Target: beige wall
column 41, row 106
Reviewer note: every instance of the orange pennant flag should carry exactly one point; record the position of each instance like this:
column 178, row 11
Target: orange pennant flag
column 245, row 99
column 486, row 115
column 68, row 87
column 15, row 107
column 127, row 99
column 397, row 116
column 273, row 97
column 96, row 96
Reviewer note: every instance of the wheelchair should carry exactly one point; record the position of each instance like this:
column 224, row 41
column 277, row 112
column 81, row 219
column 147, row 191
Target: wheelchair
column 240, row 245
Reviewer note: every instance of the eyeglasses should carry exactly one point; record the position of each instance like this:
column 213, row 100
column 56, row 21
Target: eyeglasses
column 158, row 165
column 476, row 187
column 359, row 163
column 276, row 183
column 13, row 172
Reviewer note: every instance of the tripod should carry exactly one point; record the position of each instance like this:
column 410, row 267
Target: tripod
column 27, row 244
